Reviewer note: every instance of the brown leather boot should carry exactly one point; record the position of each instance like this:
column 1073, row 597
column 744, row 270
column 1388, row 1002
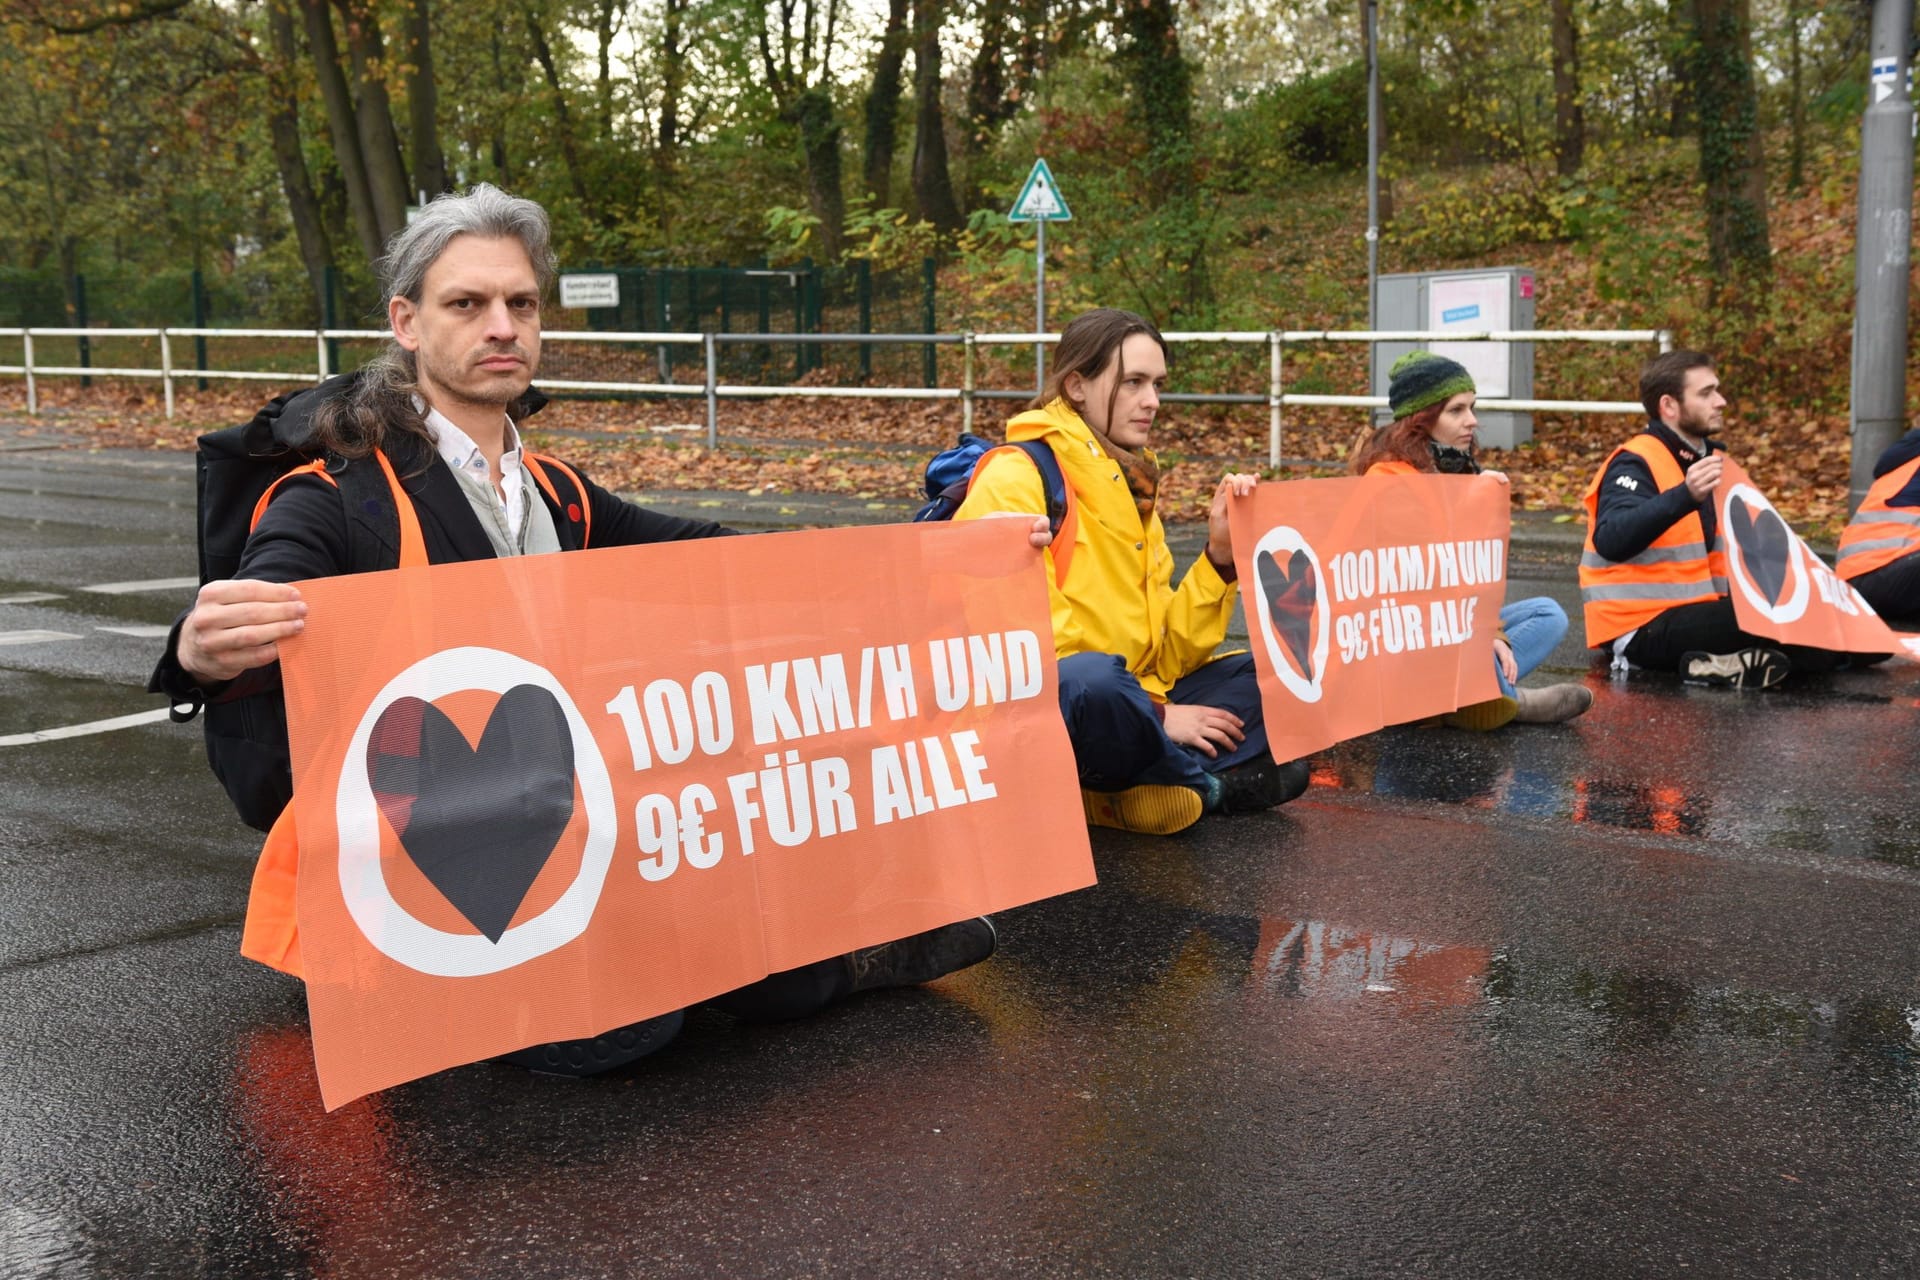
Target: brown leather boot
column 1554, row 704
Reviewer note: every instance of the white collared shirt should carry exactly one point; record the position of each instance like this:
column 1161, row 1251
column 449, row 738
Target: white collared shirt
column 463, row 455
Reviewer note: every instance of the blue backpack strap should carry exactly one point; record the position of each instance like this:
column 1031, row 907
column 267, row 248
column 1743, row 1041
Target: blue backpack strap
column 1062, row 514
column 1058, row 495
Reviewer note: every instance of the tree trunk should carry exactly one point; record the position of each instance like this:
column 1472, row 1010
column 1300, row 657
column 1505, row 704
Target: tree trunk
column 883, row 104
column 1680, row 63
column 423, row 105
column 603, row 36
column 562, row 119
column 932, row 183
column 820, row 141
column 1731, row 162
column 1162, row 86
column 341, row 127
column 987, row 101
column 502, row 170
column 373, row 117
column 1796, row 102
column 284, row 123
column 673, row 80
column 1569, row 118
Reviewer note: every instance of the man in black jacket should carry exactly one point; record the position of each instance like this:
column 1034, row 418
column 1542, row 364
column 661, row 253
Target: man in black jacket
column 1630, row 509
column 464, row 283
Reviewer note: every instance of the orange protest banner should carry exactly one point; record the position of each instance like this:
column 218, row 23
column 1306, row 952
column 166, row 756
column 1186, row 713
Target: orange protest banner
column 540, row 798
column 1781, row 589
column 1370, row 601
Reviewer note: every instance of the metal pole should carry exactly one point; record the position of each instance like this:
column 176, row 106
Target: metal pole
column 1273, row 401
column 80, row 319
column 1040, row 306
column 929, row 294
column 1884, row 241
column 330, row 319
column 713, row 398
column 966, row 381
column 33, row 400
column 1373, row 162
column 199, row 322
column 863, row 284
column 166, row 368
column 320, row 355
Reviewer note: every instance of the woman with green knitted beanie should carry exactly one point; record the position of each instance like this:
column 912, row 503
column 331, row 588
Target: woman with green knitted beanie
column 1432, row 400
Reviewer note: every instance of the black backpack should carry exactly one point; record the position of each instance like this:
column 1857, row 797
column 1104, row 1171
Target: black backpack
column 246, row 738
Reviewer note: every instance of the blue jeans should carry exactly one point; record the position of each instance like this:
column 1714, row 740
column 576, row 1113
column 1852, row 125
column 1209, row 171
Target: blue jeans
column 1118, row 741
column 1533, row 628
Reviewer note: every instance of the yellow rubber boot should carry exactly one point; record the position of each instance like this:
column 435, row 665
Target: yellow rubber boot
column 1153, row 809
column 1483, row 716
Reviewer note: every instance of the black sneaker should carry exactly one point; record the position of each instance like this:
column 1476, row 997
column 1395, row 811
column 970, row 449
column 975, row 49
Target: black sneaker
column 1261, row 783
column 923, row 957
column 615, row 1048
column 1755, row 668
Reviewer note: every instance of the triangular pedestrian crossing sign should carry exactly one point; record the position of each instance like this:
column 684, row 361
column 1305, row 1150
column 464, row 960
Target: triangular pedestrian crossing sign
column 1040, row 199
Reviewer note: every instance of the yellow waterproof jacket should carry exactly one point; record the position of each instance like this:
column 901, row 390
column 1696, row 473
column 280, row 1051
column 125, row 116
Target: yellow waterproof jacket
column 1118, row 596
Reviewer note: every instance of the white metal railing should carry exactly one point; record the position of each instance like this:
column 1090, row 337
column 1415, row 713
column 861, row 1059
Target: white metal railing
column 968, row 393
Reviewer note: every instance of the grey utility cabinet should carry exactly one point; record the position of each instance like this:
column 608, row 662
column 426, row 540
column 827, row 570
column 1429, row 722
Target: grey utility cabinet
column 1485, row 298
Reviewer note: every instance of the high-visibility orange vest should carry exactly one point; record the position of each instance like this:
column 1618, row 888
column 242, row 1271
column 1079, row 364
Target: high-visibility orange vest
column 1618, row 596
column 1880, row 534
column 1393, row 467
column 271, row 934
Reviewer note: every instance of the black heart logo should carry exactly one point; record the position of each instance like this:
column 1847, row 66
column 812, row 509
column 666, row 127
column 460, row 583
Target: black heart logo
column 1290, row 594
column 480, row 822
column 1765, row 543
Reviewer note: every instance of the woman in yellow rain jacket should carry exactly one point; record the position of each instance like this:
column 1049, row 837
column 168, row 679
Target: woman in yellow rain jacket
column 1162, row 731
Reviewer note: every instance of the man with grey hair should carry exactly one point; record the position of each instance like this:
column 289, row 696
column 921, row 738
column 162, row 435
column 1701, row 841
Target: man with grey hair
column 422, row 448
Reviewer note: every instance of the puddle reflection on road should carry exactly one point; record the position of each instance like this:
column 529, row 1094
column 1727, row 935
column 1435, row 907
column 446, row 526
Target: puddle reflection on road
column 1676, row 761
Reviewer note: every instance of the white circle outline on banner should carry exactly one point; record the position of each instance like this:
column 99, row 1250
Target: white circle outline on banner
column 382, row 920
column 1287, row 538
column 1795, row 605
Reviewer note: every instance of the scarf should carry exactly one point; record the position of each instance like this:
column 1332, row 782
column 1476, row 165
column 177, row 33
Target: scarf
column 1141, row 469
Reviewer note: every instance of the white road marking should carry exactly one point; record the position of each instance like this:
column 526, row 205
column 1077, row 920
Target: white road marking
column 81, row 730
column 34, row 637
column 151, row 584
column 141, row 631
column 31, row 597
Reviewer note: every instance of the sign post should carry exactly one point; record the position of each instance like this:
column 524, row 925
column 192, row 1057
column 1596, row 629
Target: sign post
column 1040, row 202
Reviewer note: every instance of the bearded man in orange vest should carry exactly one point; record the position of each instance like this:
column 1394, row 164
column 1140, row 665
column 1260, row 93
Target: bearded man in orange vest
column 422, row 447
column 1880, row 551
column 1653, row 575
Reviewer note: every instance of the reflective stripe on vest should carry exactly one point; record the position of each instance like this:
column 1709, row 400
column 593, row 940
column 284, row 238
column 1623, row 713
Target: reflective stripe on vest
column 1880, row 534
column 1618, row 596
column 270, row 935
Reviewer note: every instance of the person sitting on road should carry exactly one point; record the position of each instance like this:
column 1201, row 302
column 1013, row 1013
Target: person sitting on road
column 1162, row 730
column 442, row 404
column 1432, row 401
column 1653, row 575
column 1880, row 551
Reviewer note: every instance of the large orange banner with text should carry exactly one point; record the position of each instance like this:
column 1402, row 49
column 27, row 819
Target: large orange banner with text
column 541, row 798
column 1370, row 601
column 1782, row 590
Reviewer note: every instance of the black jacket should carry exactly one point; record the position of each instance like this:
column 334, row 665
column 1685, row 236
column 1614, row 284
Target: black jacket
column 1632, row 511
column 313, row 529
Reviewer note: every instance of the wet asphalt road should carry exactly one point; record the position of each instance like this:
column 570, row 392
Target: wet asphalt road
column 1634, row 997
